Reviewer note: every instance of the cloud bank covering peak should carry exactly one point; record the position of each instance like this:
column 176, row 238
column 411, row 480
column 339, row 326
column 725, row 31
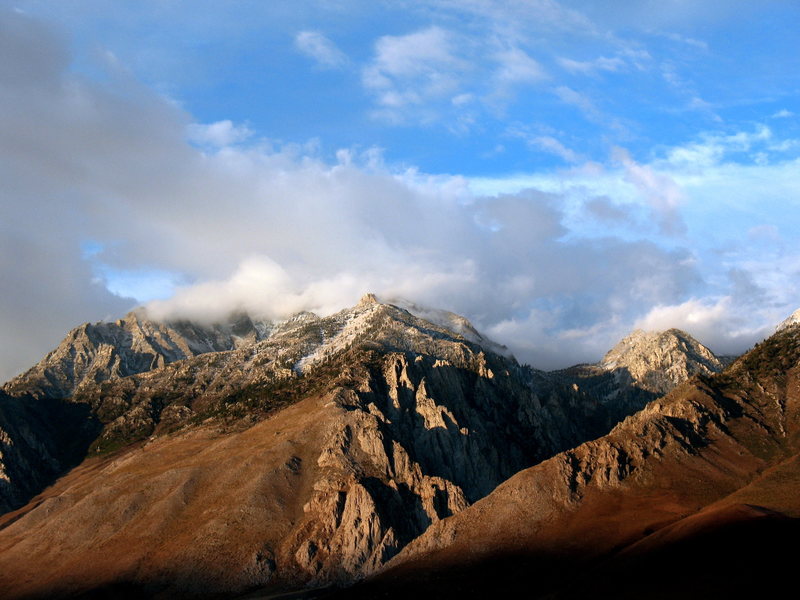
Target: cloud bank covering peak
column 116, row 195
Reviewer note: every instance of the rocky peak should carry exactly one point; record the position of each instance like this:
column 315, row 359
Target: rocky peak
column 368, row 299
column 658, row 361
column 95, row 352
column 793, row 319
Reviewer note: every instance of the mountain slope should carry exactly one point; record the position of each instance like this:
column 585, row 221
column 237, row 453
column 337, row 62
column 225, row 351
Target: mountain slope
column 717, row 442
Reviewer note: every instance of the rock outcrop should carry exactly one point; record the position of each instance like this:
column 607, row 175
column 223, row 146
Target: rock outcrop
column 793, row 319
column 40, row 440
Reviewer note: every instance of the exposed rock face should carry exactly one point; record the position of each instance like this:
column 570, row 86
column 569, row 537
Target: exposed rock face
column 712, row 443
column 659, row 361
column 97, row 352
column 40, row 439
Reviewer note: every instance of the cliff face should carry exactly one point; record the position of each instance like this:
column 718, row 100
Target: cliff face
column 39, row 441
column 711, row 445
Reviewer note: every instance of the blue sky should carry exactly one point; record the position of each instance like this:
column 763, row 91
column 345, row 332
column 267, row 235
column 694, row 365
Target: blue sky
column 559, row 172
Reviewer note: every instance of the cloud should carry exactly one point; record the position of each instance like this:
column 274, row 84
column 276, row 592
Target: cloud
column 61, row 143
column 553, row 146
column 713, row 147
column 515, row 67
column 219, row 134
column 603, row 209
column 105, row 182
column 581, row 101
column 721, row 324
column 414, row 69
column 659, row 190
column 511, row 16
column 601, row 63
column 686, row 40
column 318, row 47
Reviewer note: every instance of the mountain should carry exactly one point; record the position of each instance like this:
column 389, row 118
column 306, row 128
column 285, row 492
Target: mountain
column 658, row 361
column 42, row 435
column 665, row 505
column 642, row 367
column 93, row 353
column 272, row 456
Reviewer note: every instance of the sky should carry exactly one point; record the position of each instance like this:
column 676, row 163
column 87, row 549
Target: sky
column 560, row 173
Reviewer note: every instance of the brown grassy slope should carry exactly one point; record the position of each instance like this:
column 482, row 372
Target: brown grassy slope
column 195, row 513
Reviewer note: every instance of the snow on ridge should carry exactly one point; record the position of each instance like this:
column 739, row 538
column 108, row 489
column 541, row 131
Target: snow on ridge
column 353, row 321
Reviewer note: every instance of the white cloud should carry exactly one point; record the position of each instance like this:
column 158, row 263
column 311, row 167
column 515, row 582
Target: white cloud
column 659, row 189
column 782, row 114
column 712, row 148
column 318, row 47
column 553, row 146
column 219, row 134
column 510, row 16
column 579, row 100
column 601, row 63
column 721, row 324
column 414, row 69
column 515, row 66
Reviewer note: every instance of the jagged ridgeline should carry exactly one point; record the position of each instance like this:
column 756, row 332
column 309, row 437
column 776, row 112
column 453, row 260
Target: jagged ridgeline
column 199, row 460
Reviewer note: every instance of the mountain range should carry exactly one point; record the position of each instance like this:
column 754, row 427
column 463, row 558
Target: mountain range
column 391, row 451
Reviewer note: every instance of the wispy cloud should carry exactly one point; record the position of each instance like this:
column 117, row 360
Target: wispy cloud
column 545, row 140
column 516, row 66
column 318, row 47
column 414, row 69
column 219, row 134
column 601, row 63
column 580, row 100
column 659, row 190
